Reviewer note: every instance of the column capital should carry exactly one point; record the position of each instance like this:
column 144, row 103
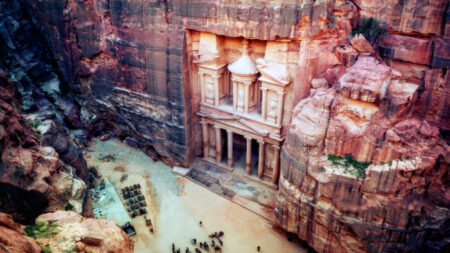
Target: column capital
column 261, row 142
column 281, row 93
column 264, row 88
column 276, row 147
column 248, row 138
column 216, row 127
column 229, row 131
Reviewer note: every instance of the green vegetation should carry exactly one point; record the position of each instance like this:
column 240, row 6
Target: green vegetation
column 46, row 249
column 42, row 229
column 34, row 124
column 70, row 249
column 370, row 28
column 350, row 164
column 68, row 206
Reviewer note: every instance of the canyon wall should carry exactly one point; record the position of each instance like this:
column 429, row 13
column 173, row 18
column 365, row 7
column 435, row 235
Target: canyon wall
column 365, row 163
column 128, row 59
column 33, row 178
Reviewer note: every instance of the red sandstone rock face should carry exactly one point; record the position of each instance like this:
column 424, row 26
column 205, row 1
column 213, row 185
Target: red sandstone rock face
column 433, row 104
column 400, row 199
column 406, row 48
column 409, row 16
column 95, row 235
column 130, row 60
column 360, row 43
column 366, row 80
column 11, row 238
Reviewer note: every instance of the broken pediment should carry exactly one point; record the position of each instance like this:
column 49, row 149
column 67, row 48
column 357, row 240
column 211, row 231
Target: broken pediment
column 276, row 73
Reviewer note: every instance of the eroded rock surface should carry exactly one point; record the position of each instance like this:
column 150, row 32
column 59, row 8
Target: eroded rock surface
column 84, row 235
column 399, row 202
column 32, row 178
column 11, row 238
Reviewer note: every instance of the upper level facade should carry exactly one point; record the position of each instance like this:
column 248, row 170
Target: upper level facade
column 248, row 90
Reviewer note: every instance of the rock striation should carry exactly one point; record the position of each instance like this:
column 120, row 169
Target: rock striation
column 364, row 165
column 359, row 173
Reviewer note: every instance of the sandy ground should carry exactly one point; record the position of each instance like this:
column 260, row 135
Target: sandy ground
column 176, row 205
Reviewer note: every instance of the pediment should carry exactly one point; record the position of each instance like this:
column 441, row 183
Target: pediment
column 238, row 122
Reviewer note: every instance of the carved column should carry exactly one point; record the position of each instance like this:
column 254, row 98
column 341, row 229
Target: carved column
column 202, row 86
column 261, row 159
column 280, row 107
column 248, row 154
column 205, row 139
column 218, row 144
column 230, row 147
column 217, row 92
column 235, row 97
column 263, row 103
column 276, row 164
column 246, row 98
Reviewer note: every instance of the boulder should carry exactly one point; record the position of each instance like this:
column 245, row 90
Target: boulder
column 11, row 238
column 96, row 235
column 360, row 43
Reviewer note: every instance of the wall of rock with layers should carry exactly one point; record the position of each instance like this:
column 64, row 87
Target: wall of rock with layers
column 128, row 61
column 360, row 172
column 129, row 58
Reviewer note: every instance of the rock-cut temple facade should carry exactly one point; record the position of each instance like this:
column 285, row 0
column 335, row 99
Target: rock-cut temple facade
column 241, row 108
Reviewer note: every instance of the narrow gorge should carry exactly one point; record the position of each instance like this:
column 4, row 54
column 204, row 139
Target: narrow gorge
column 224, row 126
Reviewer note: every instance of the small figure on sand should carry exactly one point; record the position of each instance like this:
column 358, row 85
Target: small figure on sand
column 187, row 250
column 194, row 241
column 217, row 248
column 213, row 243
column 201, row 223
column 258, row 248
column 197, row 250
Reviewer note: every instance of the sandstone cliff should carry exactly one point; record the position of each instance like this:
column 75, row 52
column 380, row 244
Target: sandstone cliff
column 364, row 167
column 360, row 172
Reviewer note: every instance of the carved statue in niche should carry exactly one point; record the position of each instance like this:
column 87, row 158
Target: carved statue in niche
column 209, row 83
column 273, row 110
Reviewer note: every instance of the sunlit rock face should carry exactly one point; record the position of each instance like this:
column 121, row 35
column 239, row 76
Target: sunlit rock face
column 86, row 234
column 12, row 239
column 398, row 203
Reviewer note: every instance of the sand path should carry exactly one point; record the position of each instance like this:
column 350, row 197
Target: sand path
column 176, row 205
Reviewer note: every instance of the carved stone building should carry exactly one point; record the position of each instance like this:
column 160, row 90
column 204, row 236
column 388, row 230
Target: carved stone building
column 242, row 106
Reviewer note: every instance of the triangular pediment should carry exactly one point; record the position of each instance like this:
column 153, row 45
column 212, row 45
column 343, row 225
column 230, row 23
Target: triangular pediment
column 238, row 122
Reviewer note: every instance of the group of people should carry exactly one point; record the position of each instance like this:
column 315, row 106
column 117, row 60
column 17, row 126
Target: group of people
column 204, row 245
